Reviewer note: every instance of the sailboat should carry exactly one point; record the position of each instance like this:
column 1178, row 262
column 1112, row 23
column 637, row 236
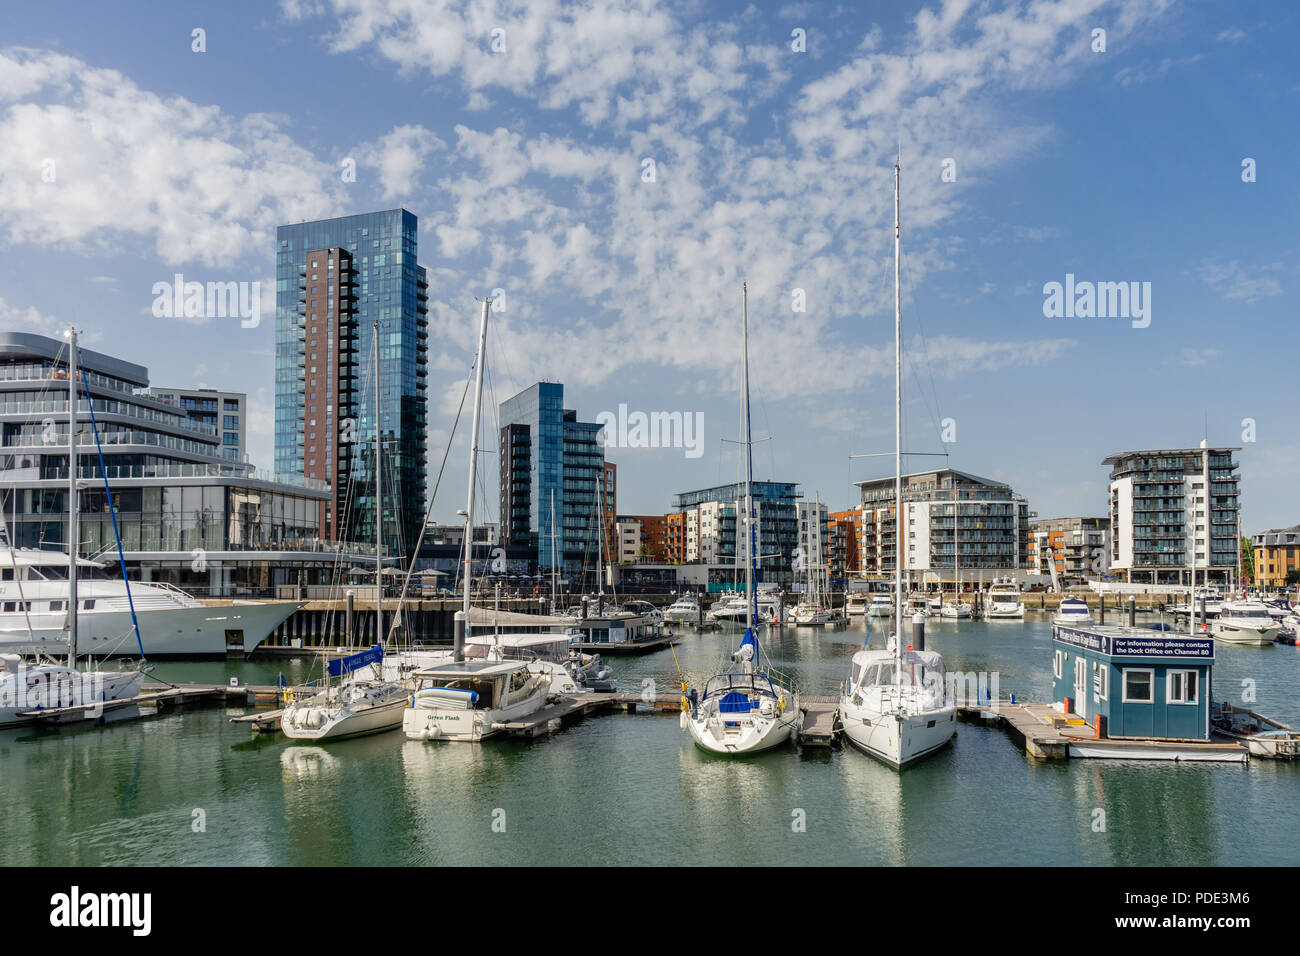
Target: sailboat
column 469, row 700
column 24, row 687
column 749, row 708
column 811, row 611
column 958, row 610
column 359, row 704
column 895, row 706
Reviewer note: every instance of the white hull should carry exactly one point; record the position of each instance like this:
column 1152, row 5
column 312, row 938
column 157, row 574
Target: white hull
column 1252, row 636
column 955, row 612
column 164, row 632
column 1003, row 613
column 896, row 743
column 744, row 733
column 467, row 726
column 48, row 687
column 337, row 722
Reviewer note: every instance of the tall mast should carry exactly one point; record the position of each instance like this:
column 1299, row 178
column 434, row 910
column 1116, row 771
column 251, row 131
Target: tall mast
column 751, row 601
column 74, row 529
column 379, row 506
column 898, row 420
column 459, row 649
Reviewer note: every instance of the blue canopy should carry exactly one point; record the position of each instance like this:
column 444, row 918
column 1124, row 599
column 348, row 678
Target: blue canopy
column 346, row 665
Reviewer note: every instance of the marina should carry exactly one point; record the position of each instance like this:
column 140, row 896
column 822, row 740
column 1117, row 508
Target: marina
column 640, row 776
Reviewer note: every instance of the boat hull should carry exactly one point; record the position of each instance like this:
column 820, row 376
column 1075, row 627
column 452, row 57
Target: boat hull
column 374, row 719
column 894, row 743
column 467, row 726
column 750, row 734
column 1249, row 636
column 64, row 689
column 165, row 633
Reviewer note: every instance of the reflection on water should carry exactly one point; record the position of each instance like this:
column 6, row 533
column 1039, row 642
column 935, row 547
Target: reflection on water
column 632, row 788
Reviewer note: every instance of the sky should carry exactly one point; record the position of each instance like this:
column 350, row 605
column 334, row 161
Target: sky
column 612, row 172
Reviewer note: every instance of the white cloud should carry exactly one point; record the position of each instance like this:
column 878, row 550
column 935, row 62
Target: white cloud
column 204, row 186
column 398, row 156
column 1238, row 283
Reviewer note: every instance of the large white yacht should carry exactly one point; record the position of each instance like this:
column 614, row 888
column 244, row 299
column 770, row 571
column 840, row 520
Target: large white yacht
column 1003, row 601
column 881, row 605
column 34, row 612
column 1244, row 622
column 685, row 608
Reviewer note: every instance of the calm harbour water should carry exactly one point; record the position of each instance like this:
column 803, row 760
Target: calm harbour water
column 632, row 789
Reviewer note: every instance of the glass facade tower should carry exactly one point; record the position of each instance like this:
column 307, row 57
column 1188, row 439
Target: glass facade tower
column 334, row 279
column 548, row 456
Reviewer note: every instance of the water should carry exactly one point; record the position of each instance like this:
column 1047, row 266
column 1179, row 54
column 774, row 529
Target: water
column 631, row 789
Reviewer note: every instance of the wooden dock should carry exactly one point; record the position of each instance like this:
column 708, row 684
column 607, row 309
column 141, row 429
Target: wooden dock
column 821, row 721
column 152, row 699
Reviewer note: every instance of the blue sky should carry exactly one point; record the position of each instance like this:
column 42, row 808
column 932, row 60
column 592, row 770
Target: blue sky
column 525, row 167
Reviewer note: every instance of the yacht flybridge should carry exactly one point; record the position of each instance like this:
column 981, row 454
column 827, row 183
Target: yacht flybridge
column 749, row 708
column 1003, row 601
column 895, row 705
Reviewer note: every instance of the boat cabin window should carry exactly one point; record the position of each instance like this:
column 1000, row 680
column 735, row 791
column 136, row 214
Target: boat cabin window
column 519, row 679
column 486, row 689
column 53, row 573
column 6, row 574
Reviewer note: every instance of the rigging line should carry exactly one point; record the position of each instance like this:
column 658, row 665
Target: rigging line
column 936, row 413
column 112, row 510
column 415, row 554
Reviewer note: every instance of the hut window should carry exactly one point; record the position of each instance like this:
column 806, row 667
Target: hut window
column 1056, row 665
column 1182, row 687
column 1137, row 686
column 1100, row 680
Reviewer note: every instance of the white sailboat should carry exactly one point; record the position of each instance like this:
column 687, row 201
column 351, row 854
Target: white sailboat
column 468, row 700
column 747, row 709
column 358, row 705
column 45, row 684
column 895, row 705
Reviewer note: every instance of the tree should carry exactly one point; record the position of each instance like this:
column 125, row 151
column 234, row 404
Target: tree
column 1248, row 560
column 1293, row 577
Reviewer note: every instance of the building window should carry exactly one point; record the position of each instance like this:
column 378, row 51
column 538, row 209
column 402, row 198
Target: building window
column 1182, row 687
column 1100, row 680
column 1138, row 686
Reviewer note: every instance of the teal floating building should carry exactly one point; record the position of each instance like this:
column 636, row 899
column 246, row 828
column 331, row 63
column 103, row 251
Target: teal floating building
column 1133, row 683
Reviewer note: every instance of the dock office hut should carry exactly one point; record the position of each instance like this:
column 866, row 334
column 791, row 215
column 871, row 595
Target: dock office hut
column 1134, row 683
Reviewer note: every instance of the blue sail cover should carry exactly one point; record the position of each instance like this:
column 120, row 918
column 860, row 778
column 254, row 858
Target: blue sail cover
column 752, row 640
column 346, row 665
